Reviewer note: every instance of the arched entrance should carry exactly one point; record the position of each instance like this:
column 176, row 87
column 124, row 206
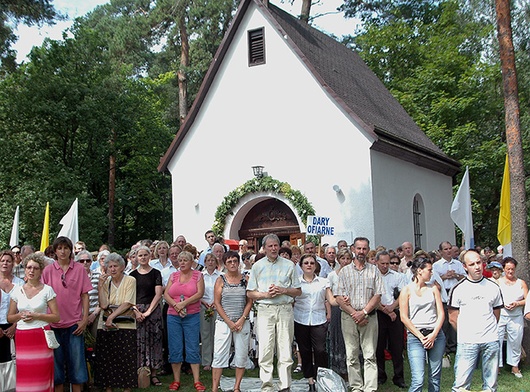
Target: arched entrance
column 270, row 216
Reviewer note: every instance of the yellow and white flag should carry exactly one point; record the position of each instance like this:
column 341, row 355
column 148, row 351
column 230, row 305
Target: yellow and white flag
column 504, row 230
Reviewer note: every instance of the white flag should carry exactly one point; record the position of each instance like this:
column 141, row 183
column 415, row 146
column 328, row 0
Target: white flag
column 461, row 211
column 14, row 230
column 70, row 227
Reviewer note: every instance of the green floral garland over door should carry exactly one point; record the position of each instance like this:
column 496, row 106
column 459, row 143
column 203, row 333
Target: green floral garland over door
column 265, row 184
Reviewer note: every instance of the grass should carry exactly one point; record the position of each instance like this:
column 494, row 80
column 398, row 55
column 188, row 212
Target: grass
column 506, row 382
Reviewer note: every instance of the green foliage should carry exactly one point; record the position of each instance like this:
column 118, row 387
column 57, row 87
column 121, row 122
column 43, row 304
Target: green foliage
column 109, row 90
column 12, row 12
column 265, row 184
column 61, row 113
column 439, row 59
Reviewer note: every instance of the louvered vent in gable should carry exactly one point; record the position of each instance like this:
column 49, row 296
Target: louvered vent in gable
column 256, row 47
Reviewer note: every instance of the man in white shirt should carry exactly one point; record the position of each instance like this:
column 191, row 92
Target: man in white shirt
column 210, row 237
column 474, row 309
column 451, row 271
column 408, row 255
column 390, row 327
column 330, row 254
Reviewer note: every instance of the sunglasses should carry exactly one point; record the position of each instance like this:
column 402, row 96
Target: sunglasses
column 84, row 261
column 31, row 268
column 63, row 280
column 395, row 263
column 308, row 263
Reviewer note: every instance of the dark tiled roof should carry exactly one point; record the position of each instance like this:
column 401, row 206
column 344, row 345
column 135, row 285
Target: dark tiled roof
column 349, row 81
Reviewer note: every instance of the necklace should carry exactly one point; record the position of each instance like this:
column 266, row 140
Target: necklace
column 233, row 279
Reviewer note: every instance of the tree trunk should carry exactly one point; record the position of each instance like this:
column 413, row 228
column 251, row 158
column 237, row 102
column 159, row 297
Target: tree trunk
column 515, row 149
column 112, row 189
column 184, row 64
column 306, row 10
column 513, row 138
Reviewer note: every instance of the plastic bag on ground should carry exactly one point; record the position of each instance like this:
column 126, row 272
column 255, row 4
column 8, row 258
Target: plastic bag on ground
column 329, row 381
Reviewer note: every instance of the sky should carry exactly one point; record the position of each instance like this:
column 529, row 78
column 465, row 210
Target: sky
column 331, row 21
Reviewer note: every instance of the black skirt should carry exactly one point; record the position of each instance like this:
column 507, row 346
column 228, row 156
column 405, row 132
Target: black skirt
column 116, row 359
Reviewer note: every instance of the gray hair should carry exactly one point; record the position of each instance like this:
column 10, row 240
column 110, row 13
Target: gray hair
column 115, row 258
column 218, row 244
column 381, row 253
column 81, row 253
column 271, row 236
column 103, row 253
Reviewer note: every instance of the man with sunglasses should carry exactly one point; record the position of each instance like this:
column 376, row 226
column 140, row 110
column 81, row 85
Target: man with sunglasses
column 390, row 327
column 394, row 263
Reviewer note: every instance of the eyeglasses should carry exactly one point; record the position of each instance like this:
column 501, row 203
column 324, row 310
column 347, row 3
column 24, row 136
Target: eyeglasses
column 395, row 263
column 231, row 261
column 308, row 263
column 63, row 280
column 84, row 261
column 31, row 268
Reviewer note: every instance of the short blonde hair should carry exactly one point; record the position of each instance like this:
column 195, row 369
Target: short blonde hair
column 35, row 257
column 185, row 255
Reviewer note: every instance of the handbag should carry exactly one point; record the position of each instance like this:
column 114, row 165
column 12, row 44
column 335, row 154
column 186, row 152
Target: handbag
column 51, row 340
column 143, row 377
column 8, row 376
column 125, row 317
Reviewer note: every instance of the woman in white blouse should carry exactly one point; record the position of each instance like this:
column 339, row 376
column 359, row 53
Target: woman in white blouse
column 310, row 317
column 33, row 307
column 208, row 314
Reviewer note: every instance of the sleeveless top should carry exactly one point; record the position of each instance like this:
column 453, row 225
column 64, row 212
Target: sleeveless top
column 187, row 289
column 422, row 310
column 511, row 293
column 233, row 298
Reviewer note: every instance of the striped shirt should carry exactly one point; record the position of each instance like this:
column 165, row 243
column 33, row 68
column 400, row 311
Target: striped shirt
column 233, row 299
column 93, row 299
column 360, row 285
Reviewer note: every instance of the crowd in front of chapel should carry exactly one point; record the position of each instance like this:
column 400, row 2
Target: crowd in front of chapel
column 124, row 321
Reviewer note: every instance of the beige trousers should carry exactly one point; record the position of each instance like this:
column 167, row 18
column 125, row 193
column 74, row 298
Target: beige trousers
column 357, row 339
column 275, row 330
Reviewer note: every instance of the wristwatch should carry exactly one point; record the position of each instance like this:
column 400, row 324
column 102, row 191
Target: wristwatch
column 365, row 313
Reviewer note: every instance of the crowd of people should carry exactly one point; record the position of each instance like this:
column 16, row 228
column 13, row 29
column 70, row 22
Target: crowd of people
column 166, row 308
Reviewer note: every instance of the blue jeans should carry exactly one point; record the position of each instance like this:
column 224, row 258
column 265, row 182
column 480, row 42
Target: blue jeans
column 467, row 357
column 70, row 353
column 416, row 353
column 183, row 333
